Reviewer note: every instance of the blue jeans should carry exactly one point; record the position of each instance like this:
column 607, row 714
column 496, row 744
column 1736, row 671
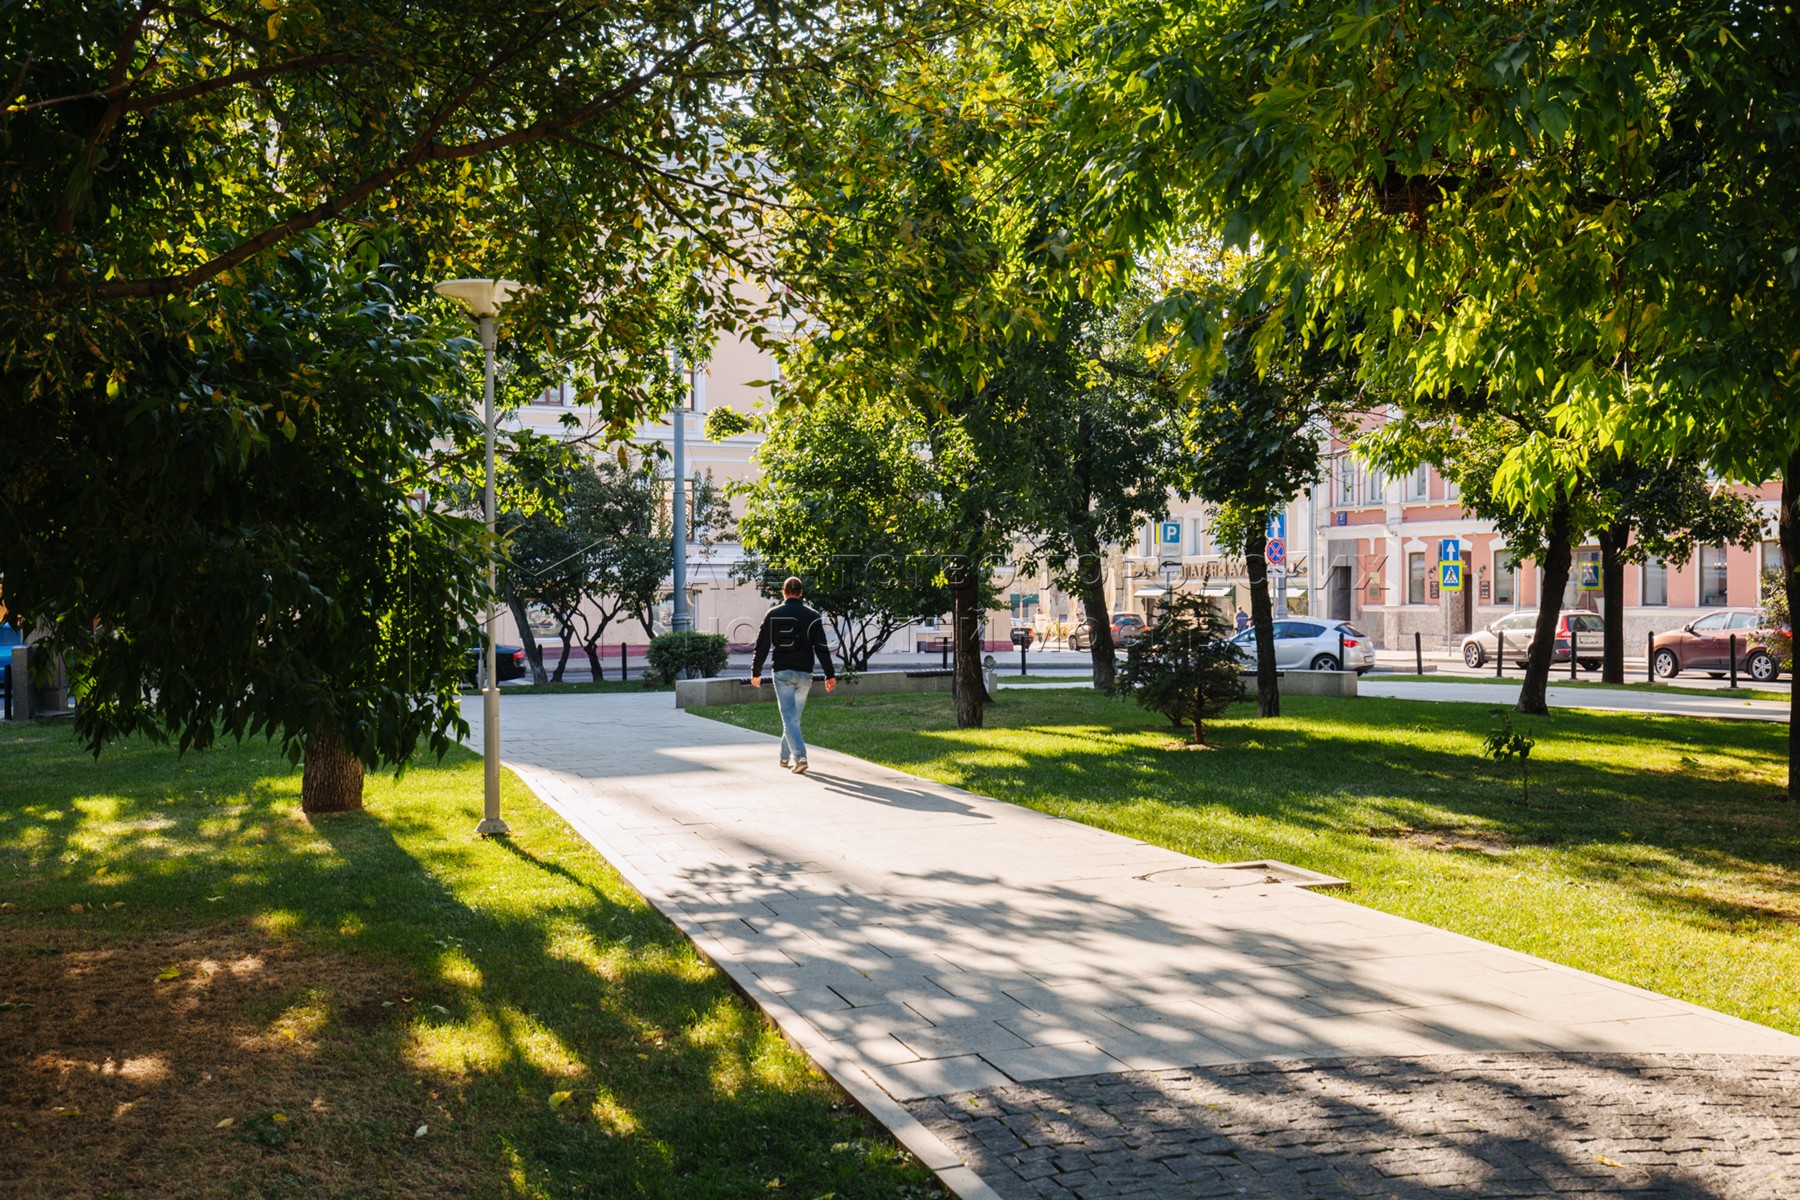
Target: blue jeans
column 791, row 688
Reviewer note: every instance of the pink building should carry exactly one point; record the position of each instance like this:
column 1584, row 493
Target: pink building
column 1380, row 541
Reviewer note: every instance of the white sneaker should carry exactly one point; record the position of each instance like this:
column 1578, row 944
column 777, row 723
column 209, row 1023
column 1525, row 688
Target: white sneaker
column 800, row 766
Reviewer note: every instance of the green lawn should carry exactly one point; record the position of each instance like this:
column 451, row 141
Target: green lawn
column 203, row 994
column 1656, row 850
column 1513, row 680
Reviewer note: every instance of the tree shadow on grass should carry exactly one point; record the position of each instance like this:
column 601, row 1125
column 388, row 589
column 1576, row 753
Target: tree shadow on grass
column 533, row 971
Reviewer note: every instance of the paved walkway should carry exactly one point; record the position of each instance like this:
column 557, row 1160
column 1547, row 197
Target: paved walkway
column 1605, row 699
column 1039, row 1008
column 1504, row 695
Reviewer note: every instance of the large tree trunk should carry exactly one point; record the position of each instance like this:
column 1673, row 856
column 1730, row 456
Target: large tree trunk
column 532, row 654
column 332, row 780
column 1532, row 694
column 1262, row 618
column 1101, row 651
column 1612, row 602
column 1790, row 571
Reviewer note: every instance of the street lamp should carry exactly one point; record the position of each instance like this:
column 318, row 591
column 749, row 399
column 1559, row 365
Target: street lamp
column 483, row 298
column 680, row 617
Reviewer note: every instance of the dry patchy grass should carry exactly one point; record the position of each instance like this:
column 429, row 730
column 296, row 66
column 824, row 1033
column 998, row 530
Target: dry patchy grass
column 210, row 1063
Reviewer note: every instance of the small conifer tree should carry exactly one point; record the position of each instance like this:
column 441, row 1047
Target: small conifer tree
column 1184, row 666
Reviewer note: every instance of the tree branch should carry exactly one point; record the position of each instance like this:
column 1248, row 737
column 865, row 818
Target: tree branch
column 232, row 79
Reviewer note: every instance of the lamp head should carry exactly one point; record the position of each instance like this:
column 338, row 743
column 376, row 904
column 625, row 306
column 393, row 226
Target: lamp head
column 482, row 297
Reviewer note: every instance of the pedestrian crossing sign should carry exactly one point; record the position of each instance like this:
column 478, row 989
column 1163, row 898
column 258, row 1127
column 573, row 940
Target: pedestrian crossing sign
column 1590, row 576
column 1450, row 576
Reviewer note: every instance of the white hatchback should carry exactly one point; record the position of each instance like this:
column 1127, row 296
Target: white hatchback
column 1302, row 644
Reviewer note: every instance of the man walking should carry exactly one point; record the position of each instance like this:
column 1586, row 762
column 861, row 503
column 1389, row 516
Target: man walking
column 796, row 634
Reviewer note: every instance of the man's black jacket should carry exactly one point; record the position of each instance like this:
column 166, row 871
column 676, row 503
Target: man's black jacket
column 795, row 633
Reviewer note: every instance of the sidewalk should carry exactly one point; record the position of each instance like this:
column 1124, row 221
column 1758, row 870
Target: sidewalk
column 1504, row 695
column 1041, row 1009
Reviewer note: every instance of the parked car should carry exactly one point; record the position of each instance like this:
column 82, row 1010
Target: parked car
column 1704, row 644
column 1520, row 628
column 509, row 663
column 1303, row 644
column 1126, row 629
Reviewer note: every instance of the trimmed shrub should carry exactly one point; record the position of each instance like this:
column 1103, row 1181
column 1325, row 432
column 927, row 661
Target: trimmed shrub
column 1184, row 666
column 687, row 655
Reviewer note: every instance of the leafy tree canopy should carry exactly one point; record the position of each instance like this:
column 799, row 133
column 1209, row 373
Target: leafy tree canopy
column 856, row 500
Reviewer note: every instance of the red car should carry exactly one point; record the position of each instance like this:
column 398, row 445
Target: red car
column 1126, row 629
column 1704, row 644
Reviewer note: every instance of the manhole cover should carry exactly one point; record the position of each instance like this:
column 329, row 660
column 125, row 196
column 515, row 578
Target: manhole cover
column 1244, row 874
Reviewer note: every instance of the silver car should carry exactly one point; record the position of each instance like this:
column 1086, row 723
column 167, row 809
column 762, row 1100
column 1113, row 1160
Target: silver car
column 1303, row 644
column 1577, row 633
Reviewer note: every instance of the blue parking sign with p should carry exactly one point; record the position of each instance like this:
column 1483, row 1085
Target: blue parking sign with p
column 1171, row 533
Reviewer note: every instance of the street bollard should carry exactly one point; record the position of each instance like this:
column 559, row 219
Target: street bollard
column 1022, row 646
column 1650, row 657
column 1734, row 660
column 1418, row 653
column 1342, row 665
column 624, row 649
column 944, row 645
column 1500, row 653
column 1574, row 646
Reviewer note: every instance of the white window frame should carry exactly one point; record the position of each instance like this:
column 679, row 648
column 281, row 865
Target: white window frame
column 1718, row 553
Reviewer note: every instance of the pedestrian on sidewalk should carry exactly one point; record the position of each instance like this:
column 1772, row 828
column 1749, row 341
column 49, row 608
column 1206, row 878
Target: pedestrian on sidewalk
column 795, row 635
column 1243, row 620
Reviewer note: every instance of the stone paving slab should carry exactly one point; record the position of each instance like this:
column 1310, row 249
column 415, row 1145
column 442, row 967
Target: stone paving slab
column 919, row 940
column 1688, row 1125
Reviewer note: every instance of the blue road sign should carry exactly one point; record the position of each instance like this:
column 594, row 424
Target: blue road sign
column 1590, row 576
column 1450, row 576
column 1275, row 553
column 1450, row 550
column 1171, row 533
column 1278, row 526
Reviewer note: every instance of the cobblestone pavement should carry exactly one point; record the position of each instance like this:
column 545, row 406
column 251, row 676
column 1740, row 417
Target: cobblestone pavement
column 1715, row 1126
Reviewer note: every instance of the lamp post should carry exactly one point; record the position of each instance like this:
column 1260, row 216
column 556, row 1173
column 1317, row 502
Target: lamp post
column 483, row 298
column 680, row 618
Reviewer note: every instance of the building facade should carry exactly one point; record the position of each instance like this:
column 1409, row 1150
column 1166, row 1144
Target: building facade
column 1381, row 540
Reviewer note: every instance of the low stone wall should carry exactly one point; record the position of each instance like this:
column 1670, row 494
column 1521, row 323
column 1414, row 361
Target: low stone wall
column 736, row 689
column 1308, row 683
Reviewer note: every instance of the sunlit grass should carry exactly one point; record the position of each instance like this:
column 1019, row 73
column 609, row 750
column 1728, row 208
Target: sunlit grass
column 515, row 970
column 1657, row 851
